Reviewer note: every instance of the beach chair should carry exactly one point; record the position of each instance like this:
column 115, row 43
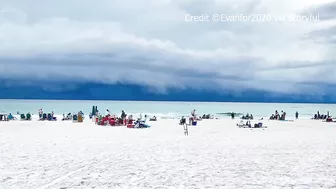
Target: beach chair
column 119, row 121
column 112, row 122
column 49, row 117
column 130, row 124
column 182, row 121
column 28, row 117
column 4, row 117
column 80, row 118
column 9, row 117
column 99, row 120
column 329, row 119
column 103, row 122
column 68, row 117
column 22, row 117
column 260, row 125
column 153, row 119
column 75, row 118
column 44, row 117
column 242, row 124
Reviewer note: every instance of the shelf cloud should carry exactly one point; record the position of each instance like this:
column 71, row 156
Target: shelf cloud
column 150, row 43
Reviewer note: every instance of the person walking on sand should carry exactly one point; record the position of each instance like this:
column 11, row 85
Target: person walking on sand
column 297, row 115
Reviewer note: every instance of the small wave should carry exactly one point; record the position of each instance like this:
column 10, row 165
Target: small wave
column 229, row 113
column 295, row 107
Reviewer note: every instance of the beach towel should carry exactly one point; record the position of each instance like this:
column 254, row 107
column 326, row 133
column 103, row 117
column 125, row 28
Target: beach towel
column 141, row 124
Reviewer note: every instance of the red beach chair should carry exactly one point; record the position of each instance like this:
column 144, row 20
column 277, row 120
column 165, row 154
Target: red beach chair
column 112, row 122
column 130, row 125
column 104, row 121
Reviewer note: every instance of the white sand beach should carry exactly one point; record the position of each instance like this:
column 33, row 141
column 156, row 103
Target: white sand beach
column 216, row 154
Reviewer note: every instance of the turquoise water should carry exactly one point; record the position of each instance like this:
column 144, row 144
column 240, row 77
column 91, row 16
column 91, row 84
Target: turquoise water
column 164, row 109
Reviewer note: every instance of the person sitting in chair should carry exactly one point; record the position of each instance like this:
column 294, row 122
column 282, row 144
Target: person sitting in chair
column 152, row 118
column 248, row 123
column 10, row 117
column 182, row 120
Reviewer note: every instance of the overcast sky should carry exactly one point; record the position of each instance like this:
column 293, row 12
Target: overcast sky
column 150, row 42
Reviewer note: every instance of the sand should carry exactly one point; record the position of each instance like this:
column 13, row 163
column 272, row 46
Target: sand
column 216, row 154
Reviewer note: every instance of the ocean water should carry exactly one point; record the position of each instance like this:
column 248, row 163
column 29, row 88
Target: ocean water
column 165, row 109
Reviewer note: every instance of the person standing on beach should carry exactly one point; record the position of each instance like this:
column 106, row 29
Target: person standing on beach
column 123, row 115
column 40, row 113
column 297, row 115
column 193, row 113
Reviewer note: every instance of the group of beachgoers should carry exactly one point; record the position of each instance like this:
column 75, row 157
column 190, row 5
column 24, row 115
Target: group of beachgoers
column 249, row 125
column 277, row 116
column 194, row 118
column 320, row 116
column 326, row 117
column 110, row 119
column 11, row 117
column 123, row 119
column 28, row 117
column 247, row 116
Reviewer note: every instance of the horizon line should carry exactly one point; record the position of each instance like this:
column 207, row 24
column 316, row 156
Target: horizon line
column 174, row 101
